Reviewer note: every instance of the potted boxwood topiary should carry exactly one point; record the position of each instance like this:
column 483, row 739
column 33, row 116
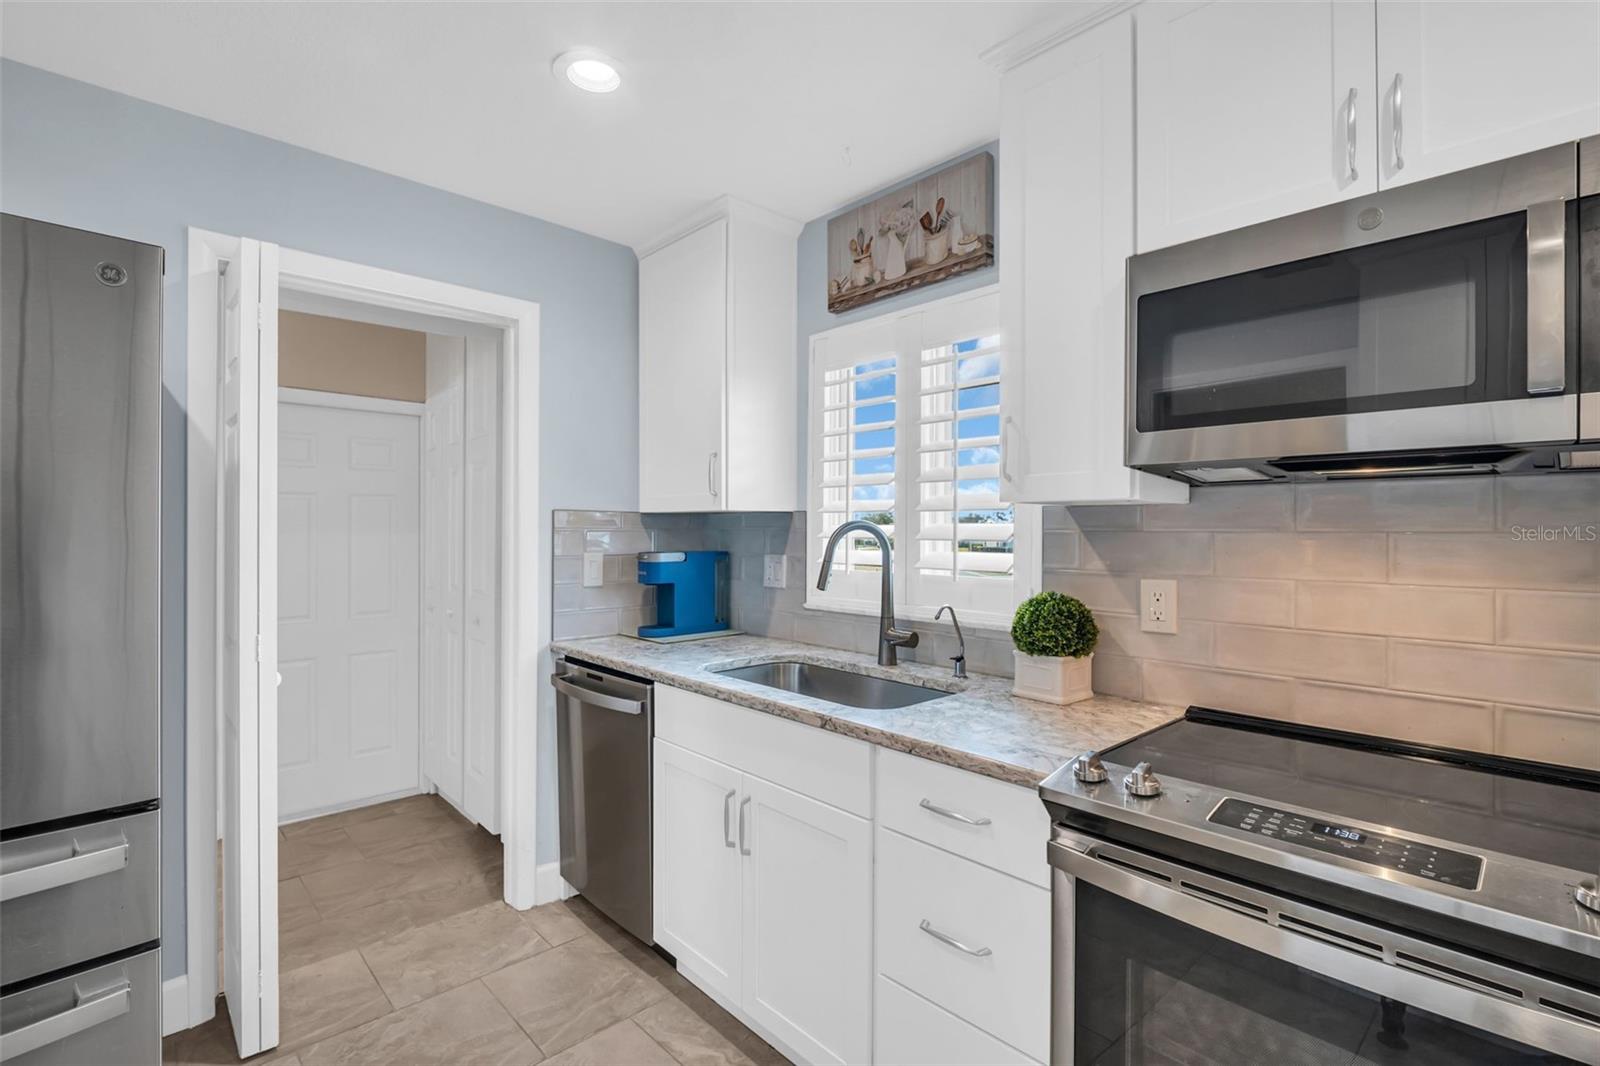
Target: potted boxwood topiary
column 1055, row 637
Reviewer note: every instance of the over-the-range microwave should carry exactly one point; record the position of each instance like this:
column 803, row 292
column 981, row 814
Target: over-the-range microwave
column 1449, row 325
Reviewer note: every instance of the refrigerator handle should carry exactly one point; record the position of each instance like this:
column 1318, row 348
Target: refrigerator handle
column 80, row 866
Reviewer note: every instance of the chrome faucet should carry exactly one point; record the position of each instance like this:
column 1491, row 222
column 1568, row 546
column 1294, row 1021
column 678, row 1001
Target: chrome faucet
column 889, row 637
column 959, row 669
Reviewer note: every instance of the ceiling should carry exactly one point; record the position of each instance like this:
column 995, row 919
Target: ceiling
column 797, row 107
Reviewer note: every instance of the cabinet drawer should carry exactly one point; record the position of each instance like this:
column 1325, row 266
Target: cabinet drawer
column 929, row 801
column 80, row 893
column 108, row 1015
column 910, row 1031
column 808, row 760
column 998, row 978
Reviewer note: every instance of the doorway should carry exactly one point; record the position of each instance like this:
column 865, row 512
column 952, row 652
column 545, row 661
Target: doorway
column 233, row 608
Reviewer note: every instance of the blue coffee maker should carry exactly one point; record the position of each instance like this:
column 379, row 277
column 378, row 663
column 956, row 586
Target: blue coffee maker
column 691, row 592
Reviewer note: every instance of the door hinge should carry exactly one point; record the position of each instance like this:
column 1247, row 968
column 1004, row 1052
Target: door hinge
column 259, row 317
column 261, row 645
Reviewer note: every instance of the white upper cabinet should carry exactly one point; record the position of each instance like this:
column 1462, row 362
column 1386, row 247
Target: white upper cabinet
column 1461, row 84
column 1066, row 231
column 1251, row 111
column 717, row 379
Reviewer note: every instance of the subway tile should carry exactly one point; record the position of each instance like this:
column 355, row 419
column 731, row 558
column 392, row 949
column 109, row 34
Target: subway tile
column 1548, row 736
column 1223, row 690
column 1568, row 620
column 1402, row 716
column 1325, row 556
column 1427, row 611
column 768, row 519
column 618, row 541
column 1163, row 554
column 567, row 570
column 1060, row 550
column 993, row 656
column 1055, row 516
column 1094, row 516
column 613, row 594
column 1494, row 560
column 568, row 542
column 590, row 519
column 1324, row 656
column 1234, row 599
column 1117, row 675
column 1099, row 592
column 629, row 619
column 1550, row 500
column 566, row 598
column 1226, row 507
column 1120, row 635
column 574, row 624
column 1543, row 679
column 1410, row 504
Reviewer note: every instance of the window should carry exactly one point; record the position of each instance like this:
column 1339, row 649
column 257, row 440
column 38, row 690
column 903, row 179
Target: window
column 906, row 435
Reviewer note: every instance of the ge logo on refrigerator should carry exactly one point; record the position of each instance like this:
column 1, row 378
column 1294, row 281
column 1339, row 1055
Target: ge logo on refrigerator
column 110, row 274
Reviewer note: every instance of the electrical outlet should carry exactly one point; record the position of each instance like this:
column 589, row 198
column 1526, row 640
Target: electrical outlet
column 1158, row 606
column 594, row 569
column 775, row 575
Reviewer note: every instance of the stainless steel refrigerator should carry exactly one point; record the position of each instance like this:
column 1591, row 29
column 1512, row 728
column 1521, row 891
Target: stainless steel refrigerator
column 80, row 634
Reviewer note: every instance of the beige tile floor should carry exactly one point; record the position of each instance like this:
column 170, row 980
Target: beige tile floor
column 396, row 948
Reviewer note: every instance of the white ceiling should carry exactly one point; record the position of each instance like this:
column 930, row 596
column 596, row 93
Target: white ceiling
column 797, row 107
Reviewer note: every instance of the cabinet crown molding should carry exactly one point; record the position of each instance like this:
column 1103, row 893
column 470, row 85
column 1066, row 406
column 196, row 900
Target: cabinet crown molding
column 1050, row 31
column 727, row 207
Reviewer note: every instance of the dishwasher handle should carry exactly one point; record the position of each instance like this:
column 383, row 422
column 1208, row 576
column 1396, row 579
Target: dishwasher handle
column 567, row 686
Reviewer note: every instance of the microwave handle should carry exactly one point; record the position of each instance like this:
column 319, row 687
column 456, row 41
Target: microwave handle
column 1547, row 298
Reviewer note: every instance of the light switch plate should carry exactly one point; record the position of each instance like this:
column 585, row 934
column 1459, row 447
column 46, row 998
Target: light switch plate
column 1158, row 606
column 775, row 575
column 594, row 569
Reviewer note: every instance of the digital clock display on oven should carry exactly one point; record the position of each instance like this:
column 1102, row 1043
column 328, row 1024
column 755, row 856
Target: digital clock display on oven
column 1338, row 831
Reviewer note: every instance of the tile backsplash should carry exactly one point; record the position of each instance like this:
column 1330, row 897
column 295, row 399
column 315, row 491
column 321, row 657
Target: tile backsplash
column 1457, row 611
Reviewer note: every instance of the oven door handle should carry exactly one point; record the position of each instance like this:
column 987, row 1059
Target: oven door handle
column 1471, row 991
column 1547, row 298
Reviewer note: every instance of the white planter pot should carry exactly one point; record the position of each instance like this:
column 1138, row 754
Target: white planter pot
column 1054, row 678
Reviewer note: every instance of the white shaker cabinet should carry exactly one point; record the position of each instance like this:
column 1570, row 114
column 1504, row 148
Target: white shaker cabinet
column 717, row 382
column 1067, row 227
column 1251, row 111
column 1461, row 84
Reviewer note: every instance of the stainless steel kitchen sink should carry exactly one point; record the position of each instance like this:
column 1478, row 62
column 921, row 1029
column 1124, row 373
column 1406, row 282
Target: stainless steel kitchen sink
column 835, row 686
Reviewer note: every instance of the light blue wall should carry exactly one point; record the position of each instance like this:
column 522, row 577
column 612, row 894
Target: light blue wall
column 812, row 307
column 82, row 156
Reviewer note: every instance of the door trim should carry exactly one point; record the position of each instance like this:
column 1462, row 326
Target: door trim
column 347, row 402
column 523, row 626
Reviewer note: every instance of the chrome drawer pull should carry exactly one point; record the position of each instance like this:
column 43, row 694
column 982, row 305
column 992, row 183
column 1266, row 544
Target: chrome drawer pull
column 954, row 816
column 946, row 938
column 727, row 805
column 81, row 866
column 86, row 1013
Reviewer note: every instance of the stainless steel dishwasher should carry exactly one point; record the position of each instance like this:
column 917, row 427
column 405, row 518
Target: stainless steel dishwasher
column 604, row 723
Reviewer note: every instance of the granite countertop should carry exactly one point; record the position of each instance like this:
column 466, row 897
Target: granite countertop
column 980, row 726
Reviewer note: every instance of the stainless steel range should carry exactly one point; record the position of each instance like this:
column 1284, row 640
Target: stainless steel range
column 1236, row 889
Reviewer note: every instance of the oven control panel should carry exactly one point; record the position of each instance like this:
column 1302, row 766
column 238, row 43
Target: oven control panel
column 1392, row 852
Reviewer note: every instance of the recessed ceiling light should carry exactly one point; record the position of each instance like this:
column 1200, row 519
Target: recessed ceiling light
column 588, row 70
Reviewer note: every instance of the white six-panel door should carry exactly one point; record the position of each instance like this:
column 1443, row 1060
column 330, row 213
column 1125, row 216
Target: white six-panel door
column 443, row 563
column 481, row 584
column 348, row 606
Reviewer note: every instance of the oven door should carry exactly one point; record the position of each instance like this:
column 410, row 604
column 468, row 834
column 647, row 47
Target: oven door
column 1156, row 962
column 1433, row 317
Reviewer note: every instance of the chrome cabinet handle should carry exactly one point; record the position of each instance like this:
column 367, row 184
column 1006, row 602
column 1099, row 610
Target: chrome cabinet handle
column 711, row 474
column 742, row 805
column 954, row 816
column 946, row 938
column 79, row 866
column 1398, row 125
column 1005, row 452
column 727, row 814
column 1353, row 174
column 85, row 1013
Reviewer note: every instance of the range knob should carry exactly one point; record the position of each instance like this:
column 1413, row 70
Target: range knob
column 1142, row 781
column 1088, row 768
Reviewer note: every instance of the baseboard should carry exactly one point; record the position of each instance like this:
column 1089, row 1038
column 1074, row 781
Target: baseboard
column 548, row 885
column 175, row 1004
